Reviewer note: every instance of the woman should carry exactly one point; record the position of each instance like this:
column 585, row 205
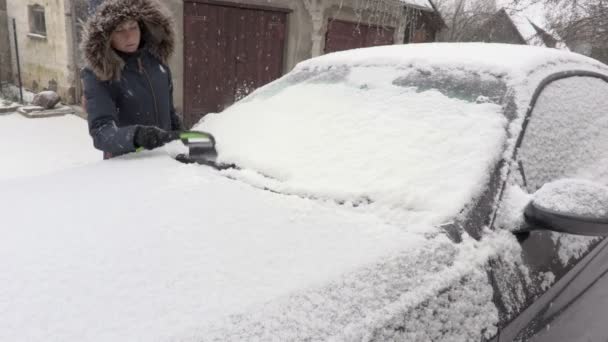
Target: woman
column 128, row 88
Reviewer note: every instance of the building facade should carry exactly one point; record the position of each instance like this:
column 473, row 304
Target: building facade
column 225, row 48
column 232, row 47
column 44, row 38
column 515, row 28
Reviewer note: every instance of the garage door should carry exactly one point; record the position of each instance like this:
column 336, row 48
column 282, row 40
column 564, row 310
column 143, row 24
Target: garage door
column 343, row 35
column 229, row 52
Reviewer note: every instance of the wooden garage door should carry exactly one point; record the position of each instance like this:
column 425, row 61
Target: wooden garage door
column 229, row 52
column 343, row 35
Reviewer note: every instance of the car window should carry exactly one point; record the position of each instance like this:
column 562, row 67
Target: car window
column 566, row 134
column 566, row 137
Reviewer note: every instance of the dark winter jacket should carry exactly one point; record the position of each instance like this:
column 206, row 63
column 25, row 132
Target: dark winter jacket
column 123, row 91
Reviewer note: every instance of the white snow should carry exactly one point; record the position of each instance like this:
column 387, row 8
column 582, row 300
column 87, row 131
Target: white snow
column 526, row 29
column 574, row 196
column 6, row 104
column 144, row 248
column 111, row 252
column 548, row 278
column 366, row 140
column 483, row 57
column 568, row 133
column 525, row 12
column 13, row 92
column 32, row 147
column 510, row 214
column 522, row 67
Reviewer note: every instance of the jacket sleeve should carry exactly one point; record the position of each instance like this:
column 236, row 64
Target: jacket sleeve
column 176, row 121
column 103, row 117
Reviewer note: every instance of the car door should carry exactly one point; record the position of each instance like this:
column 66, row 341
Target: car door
column 565, row 135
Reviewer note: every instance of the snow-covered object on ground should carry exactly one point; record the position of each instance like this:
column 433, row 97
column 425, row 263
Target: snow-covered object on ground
column 12, row 92
column 46, row 99
column 6, row 104
column 32, row 147
column 574, row 196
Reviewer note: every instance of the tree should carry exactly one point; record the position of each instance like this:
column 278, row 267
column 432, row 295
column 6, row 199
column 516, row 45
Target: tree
column 582, row 24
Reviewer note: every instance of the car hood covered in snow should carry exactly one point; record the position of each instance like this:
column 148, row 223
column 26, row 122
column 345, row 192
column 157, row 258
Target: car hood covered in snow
column 143, row 248
column 347, row 247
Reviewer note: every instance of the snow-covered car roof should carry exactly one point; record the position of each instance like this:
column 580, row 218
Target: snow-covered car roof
column 516, row 62
column 522, row 67
column 144, row 248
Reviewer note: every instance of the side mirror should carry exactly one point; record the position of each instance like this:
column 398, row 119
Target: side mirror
column 570, row 206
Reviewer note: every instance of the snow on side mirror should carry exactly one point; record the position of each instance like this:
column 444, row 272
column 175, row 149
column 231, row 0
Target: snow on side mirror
column 572, row 206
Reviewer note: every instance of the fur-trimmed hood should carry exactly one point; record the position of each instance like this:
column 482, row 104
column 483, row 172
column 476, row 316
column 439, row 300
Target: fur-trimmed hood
column 158, row 33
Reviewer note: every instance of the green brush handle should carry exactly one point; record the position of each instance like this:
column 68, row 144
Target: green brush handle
column 186, row 136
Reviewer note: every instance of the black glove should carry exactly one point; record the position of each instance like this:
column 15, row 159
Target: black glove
column 150, row 137
column 176, row 122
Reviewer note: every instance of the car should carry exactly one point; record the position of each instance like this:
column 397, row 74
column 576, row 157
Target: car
column 425, row 192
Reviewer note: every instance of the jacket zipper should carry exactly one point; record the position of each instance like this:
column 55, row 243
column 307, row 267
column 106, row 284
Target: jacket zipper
column 145, row 73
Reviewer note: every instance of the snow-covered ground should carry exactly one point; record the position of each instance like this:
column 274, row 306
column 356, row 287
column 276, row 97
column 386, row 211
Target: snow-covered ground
column 31, row 147
column 4, row 104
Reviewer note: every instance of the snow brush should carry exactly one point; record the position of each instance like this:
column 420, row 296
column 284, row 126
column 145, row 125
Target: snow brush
column 201, row 149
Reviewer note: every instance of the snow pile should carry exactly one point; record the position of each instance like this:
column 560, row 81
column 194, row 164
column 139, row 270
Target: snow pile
column 32, row 147
column 574, row 196
column 12, row 92
column 510, row 215
column 365, row 140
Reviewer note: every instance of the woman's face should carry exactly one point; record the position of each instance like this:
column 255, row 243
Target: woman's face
column 126, row 37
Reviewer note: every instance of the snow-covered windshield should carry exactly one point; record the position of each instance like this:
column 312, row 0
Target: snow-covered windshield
column 422, row 142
